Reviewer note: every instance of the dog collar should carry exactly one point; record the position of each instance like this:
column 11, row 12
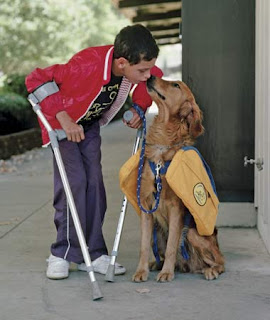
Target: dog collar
column 162, row 147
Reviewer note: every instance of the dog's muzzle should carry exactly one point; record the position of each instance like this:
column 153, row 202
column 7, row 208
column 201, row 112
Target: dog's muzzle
column 150, row 85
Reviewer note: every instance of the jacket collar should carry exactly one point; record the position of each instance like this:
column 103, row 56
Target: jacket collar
column 108, row 65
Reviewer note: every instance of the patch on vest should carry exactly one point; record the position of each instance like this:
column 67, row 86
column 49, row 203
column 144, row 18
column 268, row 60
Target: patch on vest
column 200, row 194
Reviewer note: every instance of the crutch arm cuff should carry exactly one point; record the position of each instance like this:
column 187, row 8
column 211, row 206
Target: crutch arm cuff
column 45, row 90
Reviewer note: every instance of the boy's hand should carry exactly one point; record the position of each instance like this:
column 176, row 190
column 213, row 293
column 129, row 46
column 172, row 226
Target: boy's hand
column 135, row 122
column 73, row 131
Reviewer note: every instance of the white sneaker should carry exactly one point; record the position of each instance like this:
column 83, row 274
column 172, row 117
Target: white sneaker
column 58, row 268
column 100, row 265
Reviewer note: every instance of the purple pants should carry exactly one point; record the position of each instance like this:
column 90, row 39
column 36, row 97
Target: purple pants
column 83, row 167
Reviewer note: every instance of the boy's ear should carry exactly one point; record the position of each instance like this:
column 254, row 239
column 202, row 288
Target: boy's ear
column 121, row 62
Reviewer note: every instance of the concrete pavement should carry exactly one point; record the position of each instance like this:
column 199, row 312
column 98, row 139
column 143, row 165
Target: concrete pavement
column 27, row 230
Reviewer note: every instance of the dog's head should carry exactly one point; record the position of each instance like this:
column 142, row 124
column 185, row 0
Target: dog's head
column 175, row 100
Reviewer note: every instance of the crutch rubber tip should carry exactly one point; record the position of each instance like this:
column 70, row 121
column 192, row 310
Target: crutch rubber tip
column 96, row 291
column 110, row 273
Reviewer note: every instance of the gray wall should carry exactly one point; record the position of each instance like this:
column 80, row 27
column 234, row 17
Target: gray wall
column 218, row 40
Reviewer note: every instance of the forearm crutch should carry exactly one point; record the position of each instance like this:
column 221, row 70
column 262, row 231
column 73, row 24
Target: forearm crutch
column 55, row 136
column 128, row 115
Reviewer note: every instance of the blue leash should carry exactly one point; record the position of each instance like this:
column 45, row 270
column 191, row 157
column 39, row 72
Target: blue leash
column 183, row 248
column 155, row 245
column 140, row 169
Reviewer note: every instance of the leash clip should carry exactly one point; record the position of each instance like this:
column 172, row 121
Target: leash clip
column 157, row 169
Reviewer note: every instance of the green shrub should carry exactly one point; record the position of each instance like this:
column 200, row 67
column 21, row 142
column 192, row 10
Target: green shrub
column 15, row 83
column 15, row 105
column 15, row 113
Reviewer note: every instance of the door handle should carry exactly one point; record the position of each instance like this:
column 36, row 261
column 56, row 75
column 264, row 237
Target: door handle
column 258, row 162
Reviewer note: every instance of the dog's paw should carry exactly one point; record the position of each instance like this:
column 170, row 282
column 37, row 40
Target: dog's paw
column 165, row 276
column 210, row 273
column 140, row 276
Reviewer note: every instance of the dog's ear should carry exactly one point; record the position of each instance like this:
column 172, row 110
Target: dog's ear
column 194, row 120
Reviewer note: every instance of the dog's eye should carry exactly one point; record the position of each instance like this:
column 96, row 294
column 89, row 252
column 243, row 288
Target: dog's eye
column 176, row 85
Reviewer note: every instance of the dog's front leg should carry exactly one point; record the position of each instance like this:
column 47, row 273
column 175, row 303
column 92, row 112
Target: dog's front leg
column 167, row 272
column 142, row 271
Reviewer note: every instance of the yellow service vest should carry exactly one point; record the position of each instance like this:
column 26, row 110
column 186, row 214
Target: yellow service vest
column 188, row 178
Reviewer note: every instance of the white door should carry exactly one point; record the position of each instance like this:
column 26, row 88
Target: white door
column 262, row 121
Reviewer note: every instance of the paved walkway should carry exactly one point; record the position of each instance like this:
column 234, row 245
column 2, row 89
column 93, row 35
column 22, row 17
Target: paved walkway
column 27, row 230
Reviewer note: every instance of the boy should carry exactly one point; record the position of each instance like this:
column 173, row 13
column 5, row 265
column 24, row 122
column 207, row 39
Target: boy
column 93, row 86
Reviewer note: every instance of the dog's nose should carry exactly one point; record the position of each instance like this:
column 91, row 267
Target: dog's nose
column 151, row 79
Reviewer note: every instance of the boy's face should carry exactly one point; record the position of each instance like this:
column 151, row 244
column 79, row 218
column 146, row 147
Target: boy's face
column 138, row 72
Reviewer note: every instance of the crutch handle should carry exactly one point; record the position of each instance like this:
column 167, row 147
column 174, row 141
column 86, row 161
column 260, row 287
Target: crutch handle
column 61, row 134
column 128, row 115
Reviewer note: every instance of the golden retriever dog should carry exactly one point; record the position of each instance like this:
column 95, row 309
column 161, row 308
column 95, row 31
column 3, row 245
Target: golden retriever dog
column 178, row 123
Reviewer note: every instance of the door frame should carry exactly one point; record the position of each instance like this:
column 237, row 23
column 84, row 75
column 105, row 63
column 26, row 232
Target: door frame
column 262, row 118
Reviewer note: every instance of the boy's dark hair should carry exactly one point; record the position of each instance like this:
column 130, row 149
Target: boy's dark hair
column 135, row 43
